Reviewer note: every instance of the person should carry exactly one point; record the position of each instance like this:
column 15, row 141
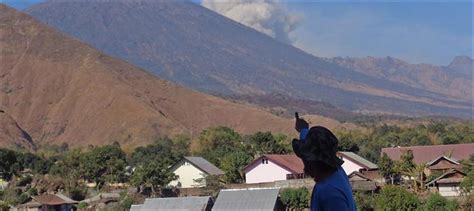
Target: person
column 317, row 149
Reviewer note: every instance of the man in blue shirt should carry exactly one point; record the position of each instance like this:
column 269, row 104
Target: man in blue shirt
column 317, row 148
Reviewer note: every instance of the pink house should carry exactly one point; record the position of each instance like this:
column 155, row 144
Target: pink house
column 272, row 167
column 354, row 162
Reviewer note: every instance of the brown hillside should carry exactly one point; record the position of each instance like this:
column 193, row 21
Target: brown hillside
column 61, row 90
column 11, row 134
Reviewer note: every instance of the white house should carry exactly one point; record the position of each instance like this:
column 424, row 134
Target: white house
column 354, row 162
column 272, row 167
column 190, row 169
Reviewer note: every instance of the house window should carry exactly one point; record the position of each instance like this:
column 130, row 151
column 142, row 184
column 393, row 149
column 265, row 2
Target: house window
column 264, row 161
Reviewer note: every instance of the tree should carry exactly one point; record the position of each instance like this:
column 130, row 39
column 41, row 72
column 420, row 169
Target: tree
column 346, row 143
column 155, row 175
column 437, row 202
column 405, row 165
column 104, row 164
column 396, row 198
column 417, row 173
column 232, row 164
column 215, row 143
column 8, row 163
column 162, row 149
column 387, row 168
column 264, row 143
column 467, row 184
column 296, row 199
column 211, row 184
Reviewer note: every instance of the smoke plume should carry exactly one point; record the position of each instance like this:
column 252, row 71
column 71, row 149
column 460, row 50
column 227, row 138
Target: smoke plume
column 266, row 16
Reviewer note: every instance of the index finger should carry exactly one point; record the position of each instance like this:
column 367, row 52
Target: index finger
column 297, row 116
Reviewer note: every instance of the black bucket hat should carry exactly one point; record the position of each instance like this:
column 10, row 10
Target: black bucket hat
column 319, row 145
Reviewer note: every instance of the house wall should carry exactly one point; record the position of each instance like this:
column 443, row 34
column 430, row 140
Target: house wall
column 268, row 172
column 350, row 166
column 449, row 190
column 187, row 173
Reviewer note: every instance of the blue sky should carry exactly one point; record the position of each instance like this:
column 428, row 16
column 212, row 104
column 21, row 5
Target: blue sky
column 418, row 32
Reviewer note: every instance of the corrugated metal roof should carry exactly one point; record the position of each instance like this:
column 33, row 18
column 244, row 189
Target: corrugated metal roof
column 136, row 207
column 246, row 199
column 176, row 203
column 424, row 154
column 204, row 165
column 358, row 159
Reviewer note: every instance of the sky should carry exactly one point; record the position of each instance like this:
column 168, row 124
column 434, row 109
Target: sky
column 417, row 32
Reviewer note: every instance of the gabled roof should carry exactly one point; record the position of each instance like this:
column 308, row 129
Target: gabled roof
column 291, row 162
column 175, row 203
column 102, row 197
column 53, row 199
column 201, row 164
column 246, row 199
column 443, row 157
column 358, row 160
column 448, row 177
column 355, row 174
column 425, row 154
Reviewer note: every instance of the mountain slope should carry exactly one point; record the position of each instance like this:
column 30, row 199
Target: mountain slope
column 61, row 90
column 200, row 49
column 11, row 134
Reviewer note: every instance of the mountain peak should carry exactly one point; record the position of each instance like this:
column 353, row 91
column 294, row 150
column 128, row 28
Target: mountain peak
column 462, row 65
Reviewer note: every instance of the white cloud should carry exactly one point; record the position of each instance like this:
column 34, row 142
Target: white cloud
column 267, row 16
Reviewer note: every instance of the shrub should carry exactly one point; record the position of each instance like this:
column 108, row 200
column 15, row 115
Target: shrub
column 4, row 206
column 78, row 192
column 25, row 181
column 437, row 202
column 295, row 198
column 468, row 202
column 82, row 205
column 364, row 202
column 396, row 198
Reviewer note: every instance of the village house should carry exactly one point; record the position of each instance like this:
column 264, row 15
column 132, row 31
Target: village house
column 426, row 154
column 262, row 199
column 360, row 182
column 201, row 203
column 191, row 172
column 354, row 162
column 440, row 160
column 448, row 183
column 441, row 165
column 56, row 201
column 275, row 167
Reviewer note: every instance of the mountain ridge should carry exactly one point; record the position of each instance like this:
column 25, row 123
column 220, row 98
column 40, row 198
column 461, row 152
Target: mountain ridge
column 203, row 50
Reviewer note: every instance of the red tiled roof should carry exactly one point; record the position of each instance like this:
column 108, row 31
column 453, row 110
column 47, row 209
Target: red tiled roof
column 291, row 162
column 424, row 154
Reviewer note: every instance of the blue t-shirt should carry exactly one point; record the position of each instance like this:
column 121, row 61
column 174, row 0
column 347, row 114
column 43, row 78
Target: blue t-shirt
column 333, row 193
